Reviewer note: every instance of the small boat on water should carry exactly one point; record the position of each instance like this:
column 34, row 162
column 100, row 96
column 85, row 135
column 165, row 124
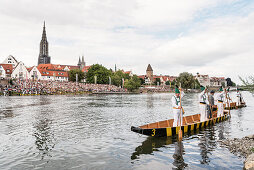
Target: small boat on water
column 234, row 105
column 190, row 123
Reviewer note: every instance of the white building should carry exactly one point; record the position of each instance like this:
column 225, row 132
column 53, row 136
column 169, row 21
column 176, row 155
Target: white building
column 2, row 72
column 20, row 71
column 6, row 70
column 218, row 81
column 203, row 80
column 34, row 73
column 10, row 60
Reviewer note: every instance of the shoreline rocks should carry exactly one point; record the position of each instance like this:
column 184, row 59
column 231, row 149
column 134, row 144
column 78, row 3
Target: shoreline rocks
column 243, row 147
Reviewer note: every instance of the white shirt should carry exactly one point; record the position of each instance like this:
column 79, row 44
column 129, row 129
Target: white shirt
column 220, row 96
column 203, row 98
column 176, row 100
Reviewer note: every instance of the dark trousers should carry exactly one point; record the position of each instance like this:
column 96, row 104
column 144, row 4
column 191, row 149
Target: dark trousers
column 209, row 112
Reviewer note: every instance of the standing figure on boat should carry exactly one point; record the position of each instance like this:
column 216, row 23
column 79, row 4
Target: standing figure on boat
column 239, row 96
column 220, row 99
column 177, row 108
column 203, row 102
column 211, row 104
column 227, row 99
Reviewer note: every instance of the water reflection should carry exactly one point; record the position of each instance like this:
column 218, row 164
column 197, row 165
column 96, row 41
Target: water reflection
column 178, row 156
column 44, row 138
column 152, row 144
column 149, row 101
column 207, row 144
column 6, row 113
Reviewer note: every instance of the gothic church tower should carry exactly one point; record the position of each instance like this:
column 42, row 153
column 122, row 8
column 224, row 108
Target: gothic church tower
column 44, row 57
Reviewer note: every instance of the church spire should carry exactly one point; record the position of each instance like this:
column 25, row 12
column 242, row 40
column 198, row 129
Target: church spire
column 44, row 36
column 44, row 56
column 79, row 62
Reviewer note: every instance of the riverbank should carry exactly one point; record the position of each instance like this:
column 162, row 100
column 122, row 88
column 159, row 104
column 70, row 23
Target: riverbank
column 243, row 147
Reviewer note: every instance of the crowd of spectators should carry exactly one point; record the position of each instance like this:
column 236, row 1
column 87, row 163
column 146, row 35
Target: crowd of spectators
column 29, row 87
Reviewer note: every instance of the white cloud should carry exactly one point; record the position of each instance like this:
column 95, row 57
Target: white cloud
column 128, row 33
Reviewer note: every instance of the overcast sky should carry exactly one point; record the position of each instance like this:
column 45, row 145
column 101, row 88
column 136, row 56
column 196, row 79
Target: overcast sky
column 214, row 37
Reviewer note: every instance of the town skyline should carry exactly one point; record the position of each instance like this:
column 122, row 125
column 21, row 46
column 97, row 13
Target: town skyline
column 215, row 45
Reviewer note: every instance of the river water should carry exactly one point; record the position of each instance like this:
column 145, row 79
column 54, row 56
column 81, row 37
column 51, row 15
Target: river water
column 93, row 132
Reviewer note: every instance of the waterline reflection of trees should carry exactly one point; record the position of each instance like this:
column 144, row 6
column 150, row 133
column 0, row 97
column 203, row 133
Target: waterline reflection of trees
column 44, row 138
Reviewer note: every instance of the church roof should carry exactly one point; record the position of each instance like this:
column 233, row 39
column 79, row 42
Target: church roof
column 149, row 68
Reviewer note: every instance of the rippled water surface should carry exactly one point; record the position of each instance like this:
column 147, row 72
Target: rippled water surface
column 93, row 132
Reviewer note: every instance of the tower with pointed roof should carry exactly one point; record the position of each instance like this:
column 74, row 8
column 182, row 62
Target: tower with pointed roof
column 44, row 57
column 81, row 63
column 149, row 73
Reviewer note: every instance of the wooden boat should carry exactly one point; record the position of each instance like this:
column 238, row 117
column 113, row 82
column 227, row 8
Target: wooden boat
column 190, row 123
column 233, row 105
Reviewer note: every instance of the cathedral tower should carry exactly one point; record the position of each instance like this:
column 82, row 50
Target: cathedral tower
column 44, row 57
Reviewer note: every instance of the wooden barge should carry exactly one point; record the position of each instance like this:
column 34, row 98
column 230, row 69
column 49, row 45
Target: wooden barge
column 190, row 123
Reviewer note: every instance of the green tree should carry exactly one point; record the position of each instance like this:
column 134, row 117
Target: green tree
column 142, row 81
column 101, row 72
column 186, row 79
column 157, row 80
column 196, row 84
column 117, row 78
column 72, row 75
column 133, row 83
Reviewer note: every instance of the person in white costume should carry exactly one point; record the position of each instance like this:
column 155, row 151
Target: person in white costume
column 219, row 97
column 203, row 102
column 177, row 108
column 227, row 98
column 239, row 97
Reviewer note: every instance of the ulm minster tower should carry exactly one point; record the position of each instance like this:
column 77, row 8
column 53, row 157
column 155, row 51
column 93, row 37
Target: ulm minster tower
column 44, row 57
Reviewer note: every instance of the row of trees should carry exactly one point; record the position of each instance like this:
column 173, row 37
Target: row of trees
column 101, row 75
column 248, row 83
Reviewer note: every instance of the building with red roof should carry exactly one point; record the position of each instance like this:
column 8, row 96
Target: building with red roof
column 6, row 70
column 54, row 72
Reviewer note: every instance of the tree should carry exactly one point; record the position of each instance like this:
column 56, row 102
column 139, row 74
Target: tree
column 186, row 79
column 196, row 84
column 101, row 72
column 167, row 83
column 133, row 83
column 157, row 80
column 72, row 75
column 142, row 81
column 248, row 83
column 230, row 82
column 117, row 78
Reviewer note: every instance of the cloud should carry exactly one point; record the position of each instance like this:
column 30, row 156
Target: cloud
column 212, row 45
column 130, row 34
